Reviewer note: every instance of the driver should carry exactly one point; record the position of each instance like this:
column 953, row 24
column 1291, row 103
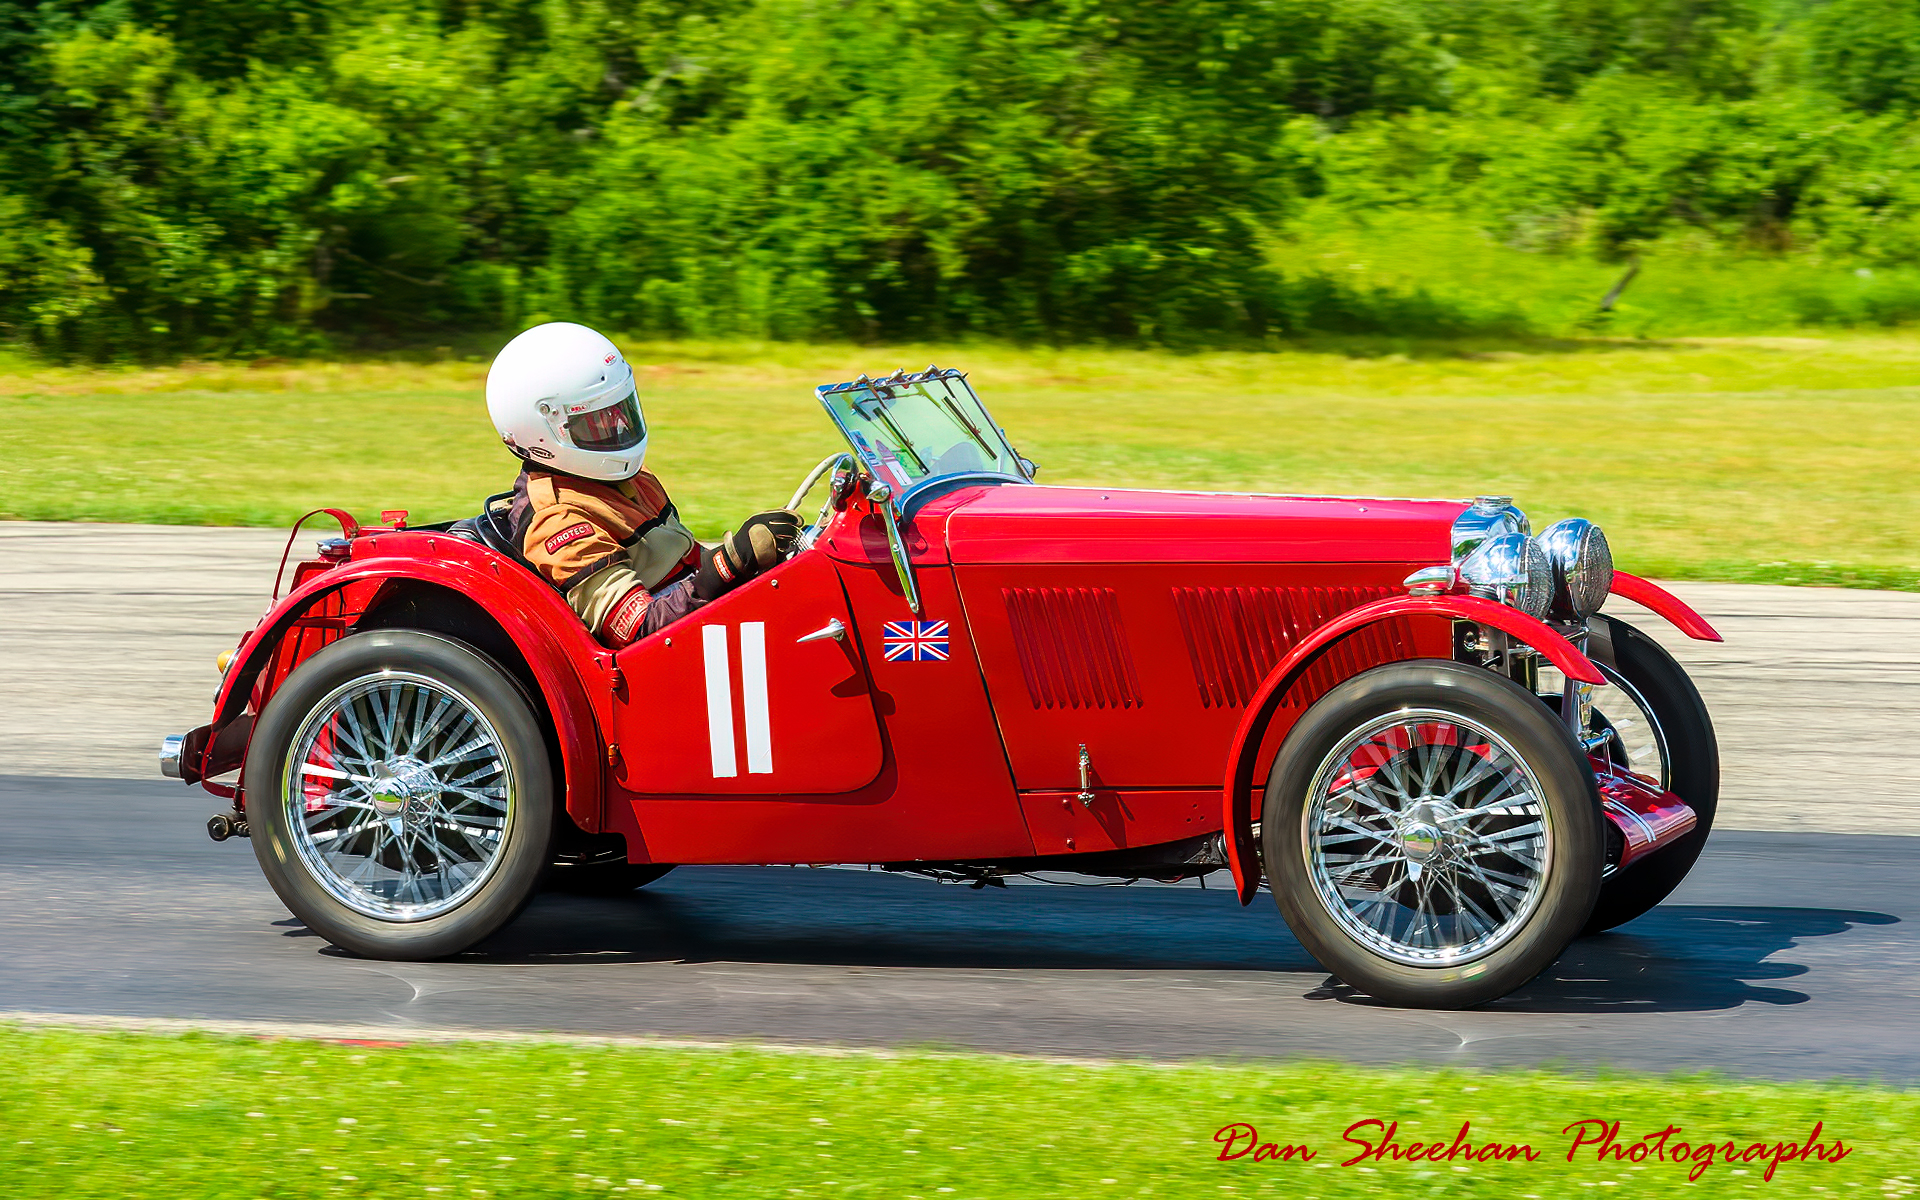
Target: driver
column 585, row 515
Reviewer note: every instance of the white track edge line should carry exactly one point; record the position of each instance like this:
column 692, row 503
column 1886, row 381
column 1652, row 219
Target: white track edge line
column 302, row 1031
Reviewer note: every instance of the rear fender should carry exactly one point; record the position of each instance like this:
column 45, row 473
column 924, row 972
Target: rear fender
column 568, row 670
column 1665, row 605
column 1243, row 754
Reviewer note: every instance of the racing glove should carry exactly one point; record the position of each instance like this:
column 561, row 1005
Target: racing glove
column 761, row 541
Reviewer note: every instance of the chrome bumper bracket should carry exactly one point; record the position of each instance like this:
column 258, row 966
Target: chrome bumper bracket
column 171, row 747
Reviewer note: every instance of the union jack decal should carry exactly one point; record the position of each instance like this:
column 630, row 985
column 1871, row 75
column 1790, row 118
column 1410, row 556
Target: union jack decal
column 914, row 641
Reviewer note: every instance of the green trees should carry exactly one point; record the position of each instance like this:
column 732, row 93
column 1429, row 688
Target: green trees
column 243, row 176
column 1867, row 52
column 1048, row 169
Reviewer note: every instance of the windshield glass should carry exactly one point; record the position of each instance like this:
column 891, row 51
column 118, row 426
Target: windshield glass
column 909, row 428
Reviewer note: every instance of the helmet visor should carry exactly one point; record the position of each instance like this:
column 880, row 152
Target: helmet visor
column 618, row 426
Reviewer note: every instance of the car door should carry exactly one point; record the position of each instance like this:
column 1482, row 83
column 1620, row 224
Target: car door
column 762, row 692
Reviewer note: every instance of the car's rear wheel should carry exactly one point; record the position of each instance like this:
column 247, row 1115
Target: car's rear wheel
column 400, row 795
column 1432, row 834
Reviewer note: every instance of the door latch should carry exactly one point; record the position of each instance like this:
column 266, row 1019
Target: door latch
column 832, row 629
column 1086, row 777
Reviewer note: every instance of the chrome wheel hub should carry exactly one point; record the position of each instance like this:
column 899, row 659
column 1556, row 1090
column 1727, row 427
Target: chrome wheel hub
column 1420, row 841
column 1426, row 838
column 399, row 796
column 404, row 791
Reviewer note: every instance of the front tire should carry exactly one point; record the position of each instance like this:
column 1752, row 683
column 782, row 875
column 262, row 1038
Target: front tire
column 1671, row 740
column 1432, row 834
column 400, row 795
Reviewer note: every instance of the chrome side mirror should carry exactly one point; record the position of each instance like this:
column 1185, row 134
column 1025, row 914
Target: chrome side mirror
column 1030, row 468
column 882, row 497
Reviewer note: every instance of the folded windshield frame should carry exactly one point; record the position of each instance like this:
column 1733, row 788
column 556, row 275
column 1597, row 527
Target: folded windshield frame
column 913, row 429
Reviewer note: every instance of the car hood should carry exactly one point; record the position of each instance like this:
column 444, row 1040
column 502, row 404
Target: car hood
column 1033, row 524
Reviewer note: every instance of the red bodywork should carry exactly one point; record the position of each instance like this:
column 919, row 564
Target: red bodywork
column 1175, row 637
column 1666, row 604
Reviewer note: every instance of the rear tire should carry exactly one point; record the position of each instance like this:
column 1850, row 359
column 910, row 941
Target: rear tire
column 1432, row 834
column 400, row 795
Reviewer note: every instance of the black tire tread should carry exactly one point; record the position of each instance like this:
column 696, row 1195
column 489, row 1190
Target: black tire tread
column 1556, row 760
column 1693, row 767
column 483, row 681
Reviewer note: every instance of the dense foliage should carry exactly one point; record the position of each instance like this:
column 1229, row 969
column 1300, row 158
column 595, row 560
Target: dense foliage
column 245, row 176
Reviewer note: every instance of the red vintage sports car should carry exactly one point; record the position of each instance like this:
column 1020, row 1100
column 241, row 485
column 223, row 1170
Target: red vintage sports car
column 1408, row 716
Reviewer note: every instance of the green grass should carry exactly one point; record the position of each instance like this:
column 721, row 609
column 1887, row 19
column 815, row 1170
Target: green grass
column 1761, row 459
column 121, row 1115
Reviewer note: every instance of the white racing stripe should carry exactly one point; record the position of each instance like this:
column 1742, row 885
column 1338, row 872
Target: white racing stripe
column 753, row 696
column 713, row 640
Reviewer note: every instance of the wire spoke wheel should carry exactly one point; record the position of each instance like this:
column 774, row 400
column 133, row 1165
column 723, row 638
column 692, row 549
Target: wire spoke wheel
column 399, row 795
column 405, row 802
column 1432, row 834
column 1635, row 738
column 1427, row 838
column 1638, row 742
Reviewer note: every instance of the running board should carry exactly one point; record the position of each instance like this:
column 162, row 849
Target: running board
column 1646, row 817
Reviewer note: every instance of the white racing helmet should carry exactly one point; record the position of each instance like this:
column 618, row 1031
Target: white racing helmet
column 562, row 397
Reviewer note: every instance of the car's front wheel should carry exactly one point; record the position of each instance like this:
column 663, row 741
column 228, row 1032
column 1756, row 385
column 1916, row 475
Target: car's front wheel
column 400, row 795
column 1432, row 834
column 1660, row 730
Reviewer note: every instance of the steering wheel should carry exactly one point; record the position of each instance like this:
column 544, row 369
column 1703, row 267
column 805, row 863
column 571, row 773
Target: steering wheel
column 833, row 462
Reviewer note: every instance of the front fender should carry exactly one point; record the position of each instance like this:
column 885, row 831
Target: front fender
column 1237, row 799
column 512, row 597
column 1666, row 605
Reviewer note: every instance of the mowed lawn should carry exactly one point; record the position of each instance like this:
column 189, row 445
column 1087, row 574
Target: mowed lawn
column 1783, row 459
column 114, row 1117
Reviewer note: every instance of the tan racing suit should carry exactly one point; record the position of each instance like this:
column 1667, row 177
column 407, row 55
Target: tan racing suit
column 617, row 551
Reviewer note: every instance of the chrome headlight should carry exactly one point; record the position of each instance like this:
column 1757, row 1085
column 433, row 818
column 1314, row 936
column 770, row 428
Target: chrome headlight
column 1489, row 517
column 1513, row 569
column 1582, row 566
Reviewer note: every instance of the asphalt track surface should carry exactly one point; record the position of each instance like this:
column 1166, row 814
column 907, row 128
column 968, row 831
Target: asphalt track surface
column 1790, row 952
column 1787, row 955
